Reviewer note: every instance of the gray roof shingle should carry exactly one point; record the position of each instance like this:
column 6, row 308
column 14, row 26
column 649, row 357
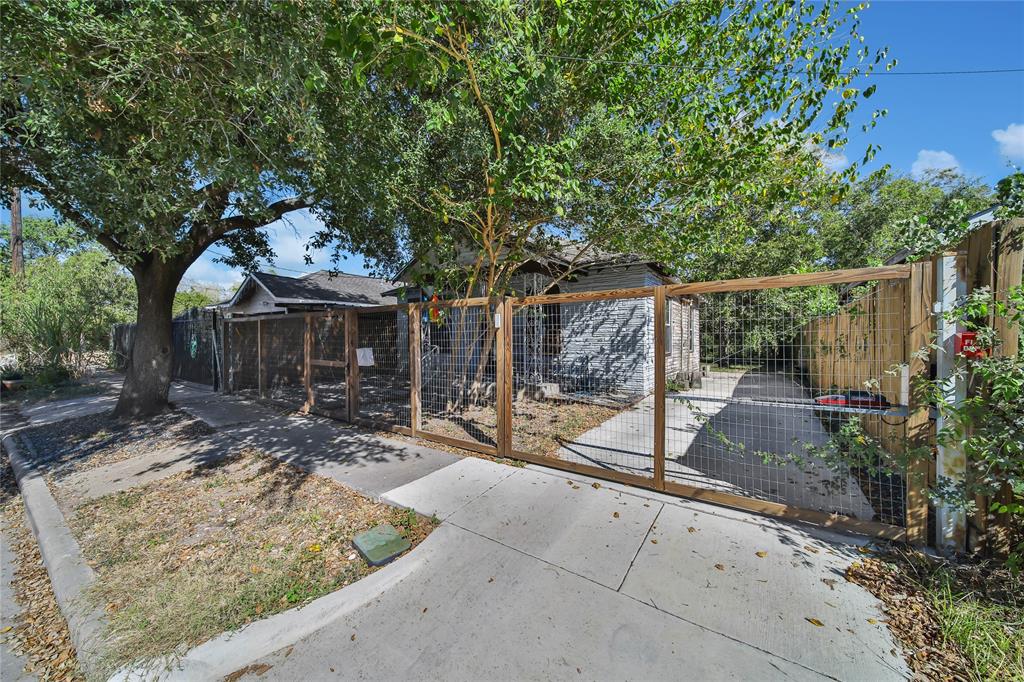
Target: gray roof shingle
column 324, row 286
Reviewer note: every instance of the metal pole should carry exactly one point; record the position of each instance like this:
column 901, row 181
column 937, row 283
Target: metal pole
column 950, row 464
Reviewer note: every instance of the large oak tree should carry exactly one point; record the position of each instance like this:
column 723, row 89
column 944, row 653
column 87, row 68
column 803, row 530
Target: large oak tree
column 162, row 128
column 413, row 128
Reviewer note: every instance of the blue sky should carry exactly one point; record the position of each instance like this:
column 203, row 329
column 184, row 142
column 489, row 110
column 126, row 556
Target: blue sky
column 973, row 122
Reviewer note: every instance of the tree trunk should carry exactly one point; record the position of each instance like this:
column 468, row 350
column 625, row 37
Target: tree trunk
column 148, row 374
column 17, row 241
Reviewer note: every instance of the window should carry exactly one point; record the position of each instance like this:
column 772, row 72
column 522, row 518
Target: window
column 669, row 305
column 692, row 326
column 552, row 341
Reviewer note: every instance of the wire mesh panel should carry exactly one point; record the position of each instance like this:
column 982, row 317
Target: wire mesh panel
column 283, row 349
column 583, row 383
column 795, row 396
column 243, row 358
column 383, row 358
column 458, row 382
column 327, row 367
column 193, row 345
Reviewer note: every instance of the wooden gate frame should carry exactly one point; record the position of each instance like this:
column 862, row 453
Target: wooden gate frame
column 504, row 311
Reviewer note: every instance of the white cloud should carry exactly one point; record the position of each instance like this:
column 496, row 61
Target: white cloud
column 1011, row 141
column 834, row 161
column 929, row 160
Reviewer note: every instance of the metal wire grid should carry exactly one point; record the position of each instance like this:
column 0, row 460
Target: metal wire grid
column 583, row 383
column 384, row 368
column 193, row 345
column 748, row 424
column 283, row 350
column 458, row 381
column 328, row 381
column 243, row 358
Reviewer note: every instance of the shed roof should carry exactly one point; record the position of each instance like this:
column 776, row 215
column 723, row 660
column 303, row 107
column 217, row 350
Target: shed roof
column 322, row 287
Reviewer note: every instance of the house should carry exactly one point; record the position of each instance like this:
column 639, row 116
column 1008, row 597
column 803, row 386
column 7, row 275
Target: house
column 595, row 350
column 262, row 293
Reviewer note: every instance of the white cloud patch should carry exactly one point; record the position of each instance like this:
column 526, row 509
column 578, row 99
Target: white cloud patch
column 932, row 160
column 1011, row 141
column 834, row 160
column 288, row 238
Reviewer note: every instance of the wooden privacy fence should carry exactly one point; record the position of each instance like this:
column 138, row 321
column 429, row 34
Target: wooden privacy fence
column 628, row 385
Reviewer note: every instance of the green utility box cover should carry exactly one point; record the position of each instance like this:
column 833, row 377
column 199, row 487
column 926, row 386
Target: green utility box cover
column 381, row 544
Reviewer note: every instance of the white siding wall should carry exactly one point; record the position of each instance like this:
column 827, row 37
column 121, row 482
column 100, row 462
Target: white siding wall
column 609, row 345
column 259, row 302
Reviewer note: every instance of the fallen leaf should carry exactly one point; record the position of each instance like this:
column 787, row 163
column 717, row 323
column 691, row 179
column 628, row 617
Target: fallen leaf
column 762, row 554
column 353, row 636
column 615, row 514
column 653, row 541
column 692, row 529
column 815, row 621
column 813, row 550
column 865, row 550
column 872, row 621
column 595, row 485
column 314, row 548
column 7, row 629
column 720, row 567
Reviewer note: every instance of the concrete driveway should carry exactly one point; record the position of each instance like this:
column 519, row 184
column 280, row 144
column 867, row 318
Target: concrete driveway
column 715, row 437
column 535, row 575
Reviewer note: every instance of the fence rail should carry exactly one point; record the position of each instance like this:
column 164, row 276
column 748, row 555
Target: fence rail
column 704, row 390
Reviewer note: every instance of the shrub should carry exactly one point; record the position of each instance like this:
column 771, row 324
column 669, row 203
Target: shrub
column 61, row 310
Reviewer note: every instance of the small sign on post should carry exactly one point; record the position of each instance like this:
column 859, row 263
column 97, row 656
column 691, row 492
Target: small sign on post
column 364, row 357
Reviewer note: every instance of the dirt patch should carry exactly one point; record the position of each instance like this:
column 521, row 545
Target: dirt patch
column 538, row 427
column 954, row 622
column 76, row 445
column 202, row 552
column 40, row 633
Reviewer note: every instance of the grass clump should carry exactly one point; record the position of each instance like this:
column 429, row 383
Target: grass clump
column 954, row 621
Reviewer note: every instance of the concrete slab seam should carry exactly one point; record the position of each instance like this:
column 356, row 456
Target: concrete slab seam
column 640, row 547
column 648, row 604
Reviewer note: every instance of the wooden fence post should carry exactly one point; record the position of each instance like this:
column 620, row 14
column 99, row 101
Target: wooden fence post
column 226, row 360
column 659, row 388
column 259, row 358
column 352, row 363
column 503, row 366
column 918, row 425
column 307, row 364
column 415, row 367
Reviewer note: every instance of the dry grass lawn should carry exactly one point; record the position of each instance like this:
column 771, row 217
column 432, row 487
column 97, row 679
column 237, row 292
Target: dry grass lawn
column 188, row 557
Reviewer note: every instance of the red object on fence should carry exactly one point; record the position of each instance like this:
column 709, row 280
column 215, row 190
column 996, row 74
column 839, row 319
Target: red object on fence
column 435, row 311
column 966, row 344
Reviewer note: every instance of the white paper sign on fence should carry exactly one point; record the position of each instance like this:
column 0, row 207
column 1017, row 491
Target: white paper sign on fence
column 364, row 356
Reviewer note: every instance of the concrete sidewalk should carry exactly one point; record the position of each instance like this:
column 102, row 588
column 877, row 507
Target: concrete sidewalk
column 534, row 575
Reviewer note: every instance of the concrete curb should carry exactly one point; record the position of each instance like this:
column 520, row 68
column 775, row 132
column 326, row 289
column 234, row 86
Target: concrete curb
column 69, row 574
column 232, row 651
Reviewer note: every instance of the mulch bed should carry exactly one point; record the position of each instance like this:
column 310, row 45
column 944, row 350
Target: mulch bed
column 41, row 633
